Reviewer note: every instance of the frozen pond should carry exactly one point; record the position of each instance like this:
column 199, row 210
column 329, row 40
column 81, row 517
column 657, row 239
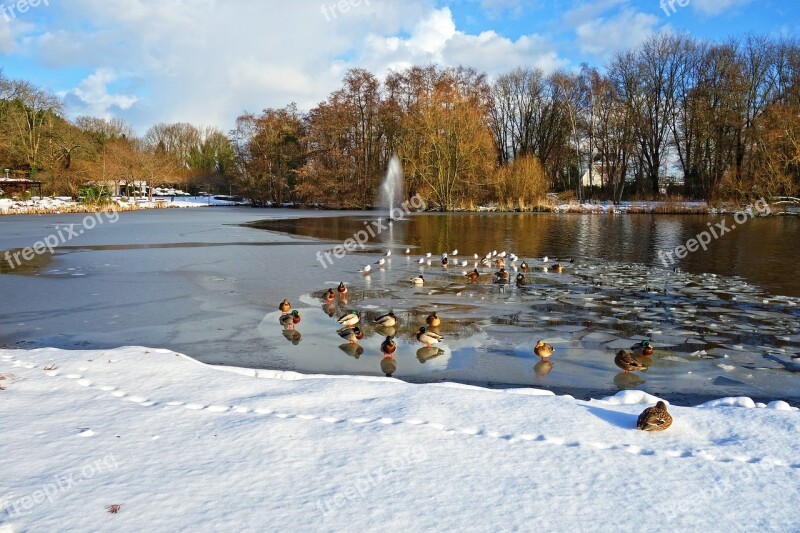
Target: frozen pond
column 202, row 283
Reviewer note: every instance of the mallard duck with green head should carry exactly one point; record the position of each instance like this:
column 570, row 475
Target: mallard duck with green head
column 389, row 346
column 290, row 319
column 351, row 335
column 350, row 319
column 428, row 337
column 643, row 348
column 387, row 321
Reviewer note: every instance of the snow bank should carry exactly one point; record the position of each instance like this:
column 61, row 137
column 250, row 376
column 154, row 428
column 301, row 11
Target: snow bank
column 179, row 445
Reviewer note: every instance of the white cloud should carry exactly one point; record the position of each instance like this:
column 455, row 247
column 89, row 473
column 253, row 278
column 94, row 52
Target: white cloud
column 207, row 61
column 601, row 36
column 435, row 39
column 92, row 96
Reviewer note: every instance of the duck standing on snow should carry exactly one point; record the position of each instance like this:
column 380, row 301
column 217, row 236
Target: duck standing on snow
column 627, row 362
column 520, row 279
column 445, row 261
column 285, row 306
column 474, row 275
column 428, row 337
column 543, row 350
column 433, row 320
column 654, row 418
column 388, row 320
column 350, row 319
column 342, row 289
column 524, row 266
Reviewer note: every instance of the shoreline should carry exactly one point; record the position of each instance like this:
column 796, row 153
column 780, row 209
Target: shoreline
column 606, row 208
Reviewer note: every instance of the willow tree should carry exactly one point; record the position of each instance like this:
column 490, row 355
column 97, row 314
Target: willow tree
column 447, row 146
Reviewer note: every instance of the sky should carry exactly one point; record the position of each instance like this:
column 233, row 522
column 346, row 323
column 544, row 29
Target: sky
column 208, row 61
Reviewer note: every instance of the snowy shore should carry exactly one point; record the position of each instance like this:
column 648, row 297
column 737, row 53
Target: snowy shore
column 60, row 205
column 183, row 446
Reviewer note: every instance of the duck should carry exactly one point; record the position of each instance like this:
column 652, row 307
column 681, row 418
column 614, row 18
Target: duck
column 501, row 276
column 418, row 280
column 654, row 418
column 290, row 319
column 524, row 266
column 428, row 337
column 644, row 348
column 474, row 275
column 350, row 319
column 521, row 279
column 433, row 320
column 445, row 261
column 285, row 306
column 329, row 295
column 557, row 268
column 342, row 289
column 500, row 263
column 388, row 346
column 352, row 336
column 543, row 350
column 388, row 320
column 627, row 362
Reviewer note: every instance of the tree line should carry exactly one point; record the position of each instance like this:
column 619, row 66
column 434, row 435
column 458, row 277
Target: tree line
column 697, row 119
column 38, row 142
column 703, row 120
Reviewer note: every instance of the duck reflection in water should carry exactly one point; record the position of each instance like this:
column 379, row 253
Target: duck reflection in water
column 542, row 368
column 427, row 353
column 353, row 350
column 388, row 365
column 627, row 381
column 292, row 335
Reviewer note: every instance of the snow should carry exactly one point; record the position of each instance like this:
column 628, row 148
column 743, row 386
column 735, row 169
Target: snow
column 183, row 446
column 65, row 204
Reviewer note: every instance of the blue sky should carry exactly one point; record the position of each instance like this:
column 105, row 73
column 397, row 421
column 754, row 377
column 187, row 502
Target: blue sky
column 206, row 61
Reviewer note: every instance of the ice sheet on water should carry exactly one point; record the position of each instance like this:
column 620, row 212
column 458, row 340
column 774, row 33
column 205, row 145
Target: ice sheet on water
column 599, row 308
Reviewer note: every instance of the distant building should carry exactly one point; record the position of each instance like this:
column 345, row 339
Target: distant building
column 12, row 186
column 124, row 188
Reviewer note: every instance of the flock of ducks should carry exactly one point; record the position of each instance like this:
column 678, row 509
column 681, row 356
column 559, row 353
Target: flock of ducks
column 501, row 260
column 655, row 418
